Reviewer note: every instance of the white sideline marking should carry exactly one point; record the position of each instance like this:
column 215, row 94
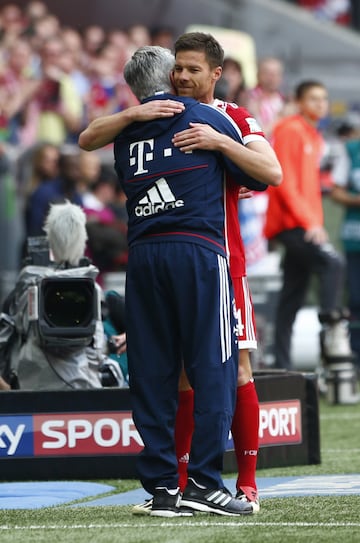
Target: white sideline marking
column 339, row 416
column 337, row 451
column 202, row 524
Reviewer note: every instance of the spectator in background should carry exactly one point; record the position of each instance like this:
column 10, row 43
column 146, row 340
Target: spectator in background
column 44, row 167
column 12, row 24
column 163, row 36
column 334, row 164
column 107, row 235
column 90, row 168
column 60, row 105
column 10, row 221
column 233, row 75
column 346, row 191
column 337, row 11
column 17, row 88
column 139, row 35
column 118, row 37
column 45, row 27
column 120, row 49
column 119, row 205
column 120, row 42
column 34, row 10
column 63, row 187
column 38, row 165
column 295, row 220
column 266, row 102
column 108, row 93
column 94, row 37
column 102, row 96
column 74, row 47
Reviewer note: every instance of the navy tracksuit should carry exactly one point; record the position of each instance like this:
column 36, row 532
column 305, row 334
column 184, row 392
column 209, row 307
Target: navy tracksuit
column 178, row 292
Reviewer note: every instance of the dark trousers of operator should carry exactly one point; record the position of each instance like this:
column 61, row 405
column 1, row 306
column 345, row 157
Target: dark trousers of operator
column 353, row 274
column 302, row 260
column 179, row 309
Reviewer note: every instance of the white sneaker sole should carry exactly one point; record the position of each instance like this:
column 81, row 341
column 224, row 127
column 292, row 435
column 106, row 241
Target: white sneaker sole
column 164, row 513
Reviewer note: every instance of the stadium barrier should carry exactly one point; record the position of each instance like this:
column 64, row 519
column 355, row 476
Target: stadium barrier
column 90, row 434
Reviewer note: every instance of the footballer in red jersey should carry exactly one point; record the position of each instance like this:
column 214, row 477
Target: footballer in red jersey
column 198, row 61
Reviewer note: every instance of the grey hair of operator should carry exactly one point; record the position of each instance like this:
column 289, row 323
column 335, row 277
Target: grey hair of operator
column 148, row 71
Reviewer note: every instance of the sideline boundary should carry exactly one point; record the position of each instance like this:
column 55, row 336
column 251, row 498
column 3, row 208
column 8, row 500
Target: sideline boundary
column 35, row 495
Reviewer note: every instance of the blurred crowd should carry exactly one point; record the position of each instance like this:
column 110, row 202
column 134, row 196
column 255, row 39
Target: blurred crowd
column 343, row 12
column 54, row 80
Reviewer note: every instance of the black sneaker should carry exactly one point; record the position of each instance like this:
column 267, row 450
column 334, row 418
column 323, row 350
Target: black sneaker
column 216, row 501
column 166, row 504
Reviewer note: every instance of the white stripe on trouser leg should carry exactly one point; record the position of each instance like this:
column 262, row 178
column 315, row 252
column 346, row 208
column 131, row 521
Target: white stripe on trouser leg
column 250, row 332
column 225, row 308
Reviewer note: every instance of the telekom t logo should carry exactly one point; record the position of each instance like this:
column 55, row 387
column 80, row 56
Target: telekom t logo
column 141, row 152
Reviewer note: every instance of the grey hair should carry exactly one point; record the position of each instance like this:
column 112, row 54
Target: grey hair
column 148, row 71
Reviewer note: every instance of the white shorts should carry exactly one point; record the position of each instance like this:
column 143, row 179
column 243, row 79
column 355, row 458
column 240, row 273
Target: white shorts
column 246, row 327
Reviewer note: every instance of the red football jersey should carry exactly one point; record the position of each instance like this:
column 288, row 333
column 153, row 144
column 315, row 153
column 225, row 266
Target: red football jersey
column 250, row 131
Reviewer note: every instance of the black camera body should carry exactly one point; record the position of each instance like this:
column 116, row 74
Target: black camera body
column 67, row 310
column 62, row 303
column 58, row 329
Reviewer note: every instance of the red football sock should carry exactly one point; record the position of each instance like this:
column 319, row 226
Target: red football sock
column 245, row 432
column 184, row 427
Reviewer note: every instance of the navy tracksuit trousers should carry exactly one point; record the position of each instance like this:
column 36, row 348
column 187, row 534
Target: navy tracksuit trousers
column 179, row 305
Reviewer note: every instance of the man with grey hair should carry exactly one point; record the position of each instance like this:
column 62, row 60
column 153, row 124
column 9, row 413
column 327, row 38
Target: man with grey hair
column 148, row 71
column 178, row 290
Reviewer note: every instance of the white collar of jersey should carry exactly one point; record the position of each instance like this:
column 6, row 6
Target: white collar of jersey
column 219, row 103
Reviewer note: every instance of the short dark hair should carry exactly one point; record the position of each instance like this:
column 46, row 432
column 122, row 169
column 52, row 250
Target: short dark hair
column 206, row 43
column 303, row 87
column 106, row 176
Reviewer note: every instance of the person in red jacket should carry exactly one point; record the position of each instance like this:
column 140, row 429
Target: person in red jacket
column 295, row 219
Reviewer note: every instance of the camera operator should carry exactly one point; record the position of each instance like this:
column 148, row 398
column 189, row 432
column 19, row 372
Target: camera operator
column 115, row 333
column 52, row 319
column 52, row 330
column 4, row 385
column 118, row 344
